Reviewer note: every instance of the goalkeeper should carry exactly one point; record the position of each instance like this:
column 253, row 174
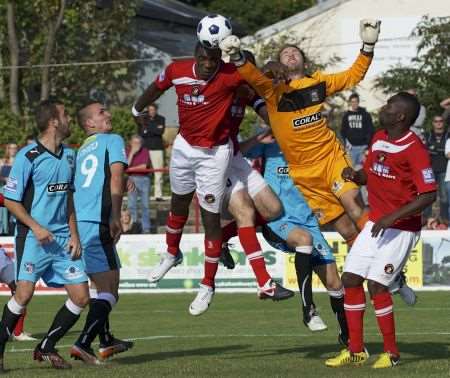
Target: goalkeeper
column 314, row 154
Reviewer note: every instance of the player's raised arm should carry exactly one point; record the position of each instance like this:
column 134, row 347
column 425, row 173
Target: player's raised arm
column 154, row 91
column 261, row 83
column 369, row 31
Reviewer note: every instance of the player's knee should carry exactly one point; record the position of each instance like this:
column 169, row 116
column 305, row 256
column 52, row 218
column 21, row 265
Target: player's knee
column 244, row 212
column 23, row 298
column 351, row 280
column 376, row 288
column 298, row 238
column 81, row 299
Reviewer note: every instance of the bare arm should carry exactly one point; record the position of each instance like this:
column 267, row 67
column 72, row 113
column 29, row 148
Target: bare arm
column 18, row 210
column 265, row 137
column 150, row 95
column 136, row 168
column 421, row 202
column 74, row 242
column 117, row 188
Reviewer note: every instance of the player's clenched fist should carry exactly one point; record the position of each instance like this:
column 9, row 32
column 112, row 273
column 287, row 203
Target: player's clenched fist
column 231, row 46
column 369, row 31
column 348, row 174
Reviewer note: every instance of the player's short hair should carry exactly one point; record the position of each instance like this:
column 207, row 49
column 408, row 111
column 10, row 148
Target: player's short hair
column 83, row 114
column 291, row 45
column 353, row 95
column 411, row 104
column 153, row 105
column 249, row 56
column 200, row 48
column 45, row 112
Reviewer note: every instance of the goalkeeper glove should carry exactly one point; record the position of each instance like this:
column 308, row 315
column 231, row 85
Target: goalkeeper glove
column 231, row 46
column 369, row 30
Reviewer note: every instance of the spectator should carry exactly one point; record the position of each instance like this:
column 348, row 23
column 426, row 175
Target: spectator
column 445, row 104
column 128, row 225
column 417, row 127
column 138, row 162
column 5, row 167
column 436, row 142
column 151, row 129
column 356, row 130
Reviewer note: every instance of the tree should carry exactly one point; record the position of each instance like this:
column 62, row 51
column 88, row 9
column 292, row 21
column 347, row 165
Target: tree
column 46, row 32
column 254, row 14
column 429, row 72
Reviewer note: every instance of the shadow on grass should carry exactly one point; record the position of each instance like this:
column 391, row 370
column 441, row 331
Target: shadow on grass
column 159, row 356
column 419, row 351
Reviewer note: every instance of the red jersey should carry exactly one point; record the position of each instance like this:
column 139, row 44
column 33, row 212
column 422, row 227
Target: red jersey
column 237, row 113
column 202, row 104
column 397, row 172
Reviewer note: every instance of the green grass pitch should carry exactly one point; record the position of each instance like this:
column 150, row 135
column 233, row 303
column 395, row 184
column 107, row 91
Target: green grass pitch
column 240, row 336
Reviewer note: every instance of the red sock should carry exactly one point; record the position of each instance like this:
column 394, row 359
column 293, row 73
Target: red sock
column 252, row 248
column 19, row 326
column 354, row 305
column 229, row 231
column 212, row 254
column 385, row 318
column 174, row 230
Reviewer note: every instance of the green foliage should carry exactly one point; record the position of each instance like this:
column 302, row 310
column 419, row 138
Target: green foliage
column 254, row 14
column 13, row 128
column 430, row 71
column 87, row 34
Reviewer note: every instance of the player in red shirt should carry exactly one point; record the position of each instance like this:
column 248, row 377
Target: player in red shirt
column 400, row 184
column 201, row 155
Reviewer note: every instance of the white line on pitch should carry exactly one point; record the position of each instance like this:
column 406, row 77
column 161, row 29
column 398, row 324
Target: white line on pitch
column 158, row 337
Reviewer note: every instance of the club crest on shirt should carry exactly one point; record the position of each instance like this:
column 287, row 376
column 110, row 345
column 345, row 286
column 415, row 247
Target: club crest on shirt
column 210, row 198
column 314, row 95
column 195, row 90
column 381, row 157
column 389, row 268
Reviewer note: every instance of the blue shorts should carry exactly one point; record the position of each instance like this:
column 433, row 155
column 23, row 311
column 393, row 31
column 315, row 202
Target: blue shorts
column 99, row 252
column 277, row 231
column 51, row 262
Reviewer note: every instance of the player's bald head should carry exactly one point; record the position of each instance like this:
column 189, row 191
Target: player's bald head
column 408, row 104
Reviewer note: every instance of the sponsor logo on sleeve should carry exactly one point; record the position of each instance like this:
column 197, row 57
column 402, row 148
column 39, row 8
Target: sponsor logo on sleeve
column 282, row 171
column 428, row 176
column 11, row 185
column 162, row 75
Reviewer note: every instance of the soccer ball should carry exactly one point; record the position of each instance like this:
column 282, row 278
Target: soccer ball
column 212, row 29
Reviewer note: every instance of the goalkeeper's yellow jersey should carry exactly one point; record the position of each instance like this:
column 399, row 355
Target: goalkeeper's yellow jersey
column 295, row 109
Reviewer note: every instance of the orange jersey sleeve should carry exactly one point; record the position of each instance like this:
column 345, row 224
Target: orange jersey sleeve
column 346, row 79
